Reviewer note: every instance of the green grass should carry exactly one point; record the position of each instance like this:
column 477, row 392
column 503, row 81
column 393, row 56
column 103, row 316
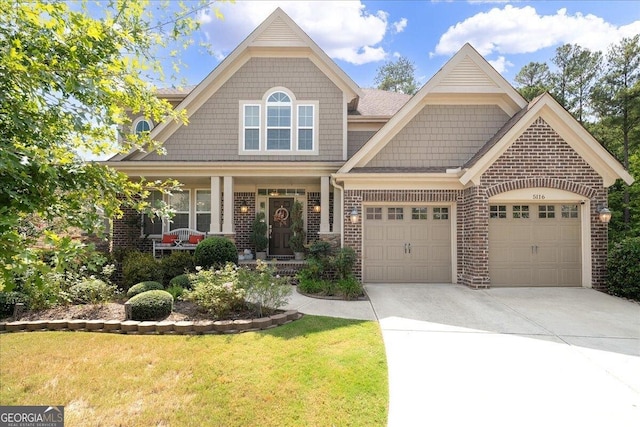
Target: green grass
column 317, row 371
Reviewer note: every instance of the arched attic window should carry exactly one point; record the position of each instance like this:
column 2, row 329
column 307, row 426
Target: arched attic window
column 142, row 125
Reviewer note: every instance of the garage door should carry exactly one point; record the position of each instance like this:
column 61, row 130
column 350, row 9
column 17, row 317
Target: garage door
column 534, row 245
column 407, row 244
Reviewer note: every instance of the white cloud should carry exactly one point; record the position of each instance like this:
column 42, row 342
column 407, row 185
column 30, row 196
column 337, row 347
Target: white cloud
column 343, row 29
column 400, row 25
column 501, row 64
column 512, row 30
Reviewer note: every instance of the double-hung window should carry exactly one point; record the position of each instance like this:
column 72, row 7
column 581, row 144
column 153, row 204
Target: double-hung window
column 203, row 210
column 251, row 128
column 279, row 124
column 151, row 224
column 179, row 202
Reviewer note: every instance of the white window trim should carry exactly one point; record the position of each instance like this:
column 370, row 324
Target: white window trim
column 140, row 119
column 189, row 212
column 195, row 207
column 294, row 151
column 245, row 127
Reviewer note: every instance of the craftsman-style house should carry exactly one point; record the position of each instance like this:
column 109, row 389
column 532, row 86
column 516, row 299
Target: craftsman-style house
column 465, row 182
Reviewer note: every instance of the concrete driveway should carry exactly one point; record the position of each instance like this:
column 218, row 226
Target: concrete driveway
column 509, row 357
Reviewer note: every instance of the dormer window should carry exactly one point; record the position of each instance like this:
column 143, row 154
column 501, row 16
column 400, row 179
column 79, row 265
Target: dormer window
column 279, row 124
column 141, row 125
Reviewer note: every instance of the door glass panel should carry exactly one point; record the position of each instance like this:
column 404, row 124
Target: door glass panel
column 498, row 211
column 374, row 213
column 521, row 211
column 440, row 213
column 419, row 213
column 569, row 211
column 546, row 211
column 395, row 214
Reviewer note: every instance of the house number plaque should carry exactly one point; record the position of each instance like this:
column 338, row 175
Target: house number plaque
column 539, row 197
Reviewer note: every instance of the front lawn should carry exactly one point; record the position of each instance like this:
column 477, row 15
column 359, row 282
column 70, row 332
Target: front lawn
column 317, row 371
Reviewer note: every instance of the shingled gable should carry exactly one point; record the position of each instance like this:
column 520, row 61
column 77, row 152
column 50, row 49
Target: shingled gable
column 278, row 35
column 564, row 124
column 466, row 77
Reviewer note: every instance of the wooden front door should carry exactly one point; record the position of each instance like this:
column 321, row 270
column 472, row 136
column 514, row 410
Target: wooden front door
column 280, row 224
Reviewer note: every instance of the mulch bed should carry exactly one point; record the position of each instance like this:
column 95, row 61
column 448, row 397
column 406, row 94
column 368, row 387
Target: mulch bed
column 182, row 311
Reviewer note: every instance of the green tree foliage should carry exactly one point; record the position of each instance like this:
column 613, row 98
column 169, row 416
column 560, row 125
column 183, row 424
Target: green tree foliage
column 533, row 79
column 398, row 76
column 616, row 99
column 577, row 70
column 67, row 82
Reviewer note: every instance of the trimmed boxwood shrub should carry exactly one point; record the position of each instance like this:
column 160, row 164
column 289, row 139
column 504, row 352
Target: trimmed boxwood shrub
column 182, row 281
column 215, row 252
column 144, row 287
column 623, row 268
column 179, row 262
column 151, row 305
column 91, row 292
column 138, row 267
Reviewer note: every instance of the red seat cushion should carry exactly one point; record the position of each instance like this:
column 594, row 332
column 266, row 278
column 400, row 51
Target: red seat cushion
column 194, row 239
column 169, row 238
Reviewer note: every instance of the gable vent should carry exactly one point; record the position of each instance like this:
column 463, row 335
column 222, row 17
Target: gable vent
column 278, row 34
column 467, row 73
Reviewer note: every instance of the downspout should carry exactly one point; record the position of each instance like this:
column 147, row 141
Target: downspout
column 334, row 182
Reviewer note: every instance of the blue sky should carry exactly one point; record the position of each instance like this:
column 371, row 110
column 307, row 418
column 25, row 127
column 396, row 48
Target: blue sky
column 361, row 35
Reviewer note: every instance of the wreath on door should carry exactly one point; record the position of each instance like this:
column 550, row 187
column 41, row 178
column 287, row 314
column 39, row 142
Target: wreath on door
column 281, row 215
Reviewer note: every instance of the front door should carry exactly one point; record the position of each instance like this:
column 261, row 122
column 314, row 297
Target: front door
column 280, row 225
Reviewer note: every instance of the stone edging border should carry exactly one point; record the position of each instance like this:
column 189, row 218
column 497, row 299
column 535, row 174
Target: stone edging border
column 134, row 327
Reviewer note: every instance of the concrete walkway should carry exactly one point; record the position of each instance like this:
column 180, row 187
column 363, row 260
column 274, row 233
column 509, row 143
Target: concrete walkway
column 502, row 357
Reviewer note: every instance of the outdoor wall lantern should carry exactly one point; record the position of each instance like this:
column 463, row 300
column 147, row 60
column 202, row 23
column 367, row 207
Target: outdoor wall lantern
column 355, row 217
column 316, row 207
column 605, row 215
column 244, row 208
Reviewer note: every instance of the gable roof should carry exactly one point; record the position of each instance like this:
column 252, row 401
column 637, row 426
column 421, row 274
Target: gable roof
column 379, row 103
column 277, row 35
column 572, row 132
column 466, row 76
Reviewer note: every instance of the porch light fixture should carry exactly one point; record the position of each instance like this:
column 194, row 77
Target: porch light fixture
column 355, row 217
column 316, row 207
column 605, row 215
column 244, row 208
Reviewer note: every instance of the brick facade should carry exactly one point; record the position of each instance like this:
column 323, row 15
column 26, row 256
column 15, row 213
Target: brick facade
column 538, row 158
column 541, row 158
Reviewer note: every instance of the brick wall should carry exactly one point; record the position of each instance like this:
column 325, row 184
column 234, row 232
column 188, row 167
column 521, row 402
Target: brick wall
column 313, row 218
column 242, row 221
column 541, row 158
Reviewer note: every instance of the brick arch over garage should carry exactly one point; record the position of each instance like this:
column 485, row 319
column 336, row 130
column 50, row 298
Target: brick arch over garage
column 542, row 182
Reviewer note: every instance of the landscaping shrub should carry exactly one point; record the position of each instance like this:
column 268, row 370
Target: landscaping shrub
column 182, row 281
column 349, row 287
column 266, row 290
column 314, row 286
column 215, row 252
column 344, row 261
column 179, row 262
column 623, row 268
column 8, row 300
column 144, row 287
column 217, row 292
column 138, row 267
column 91, row 292
column 176, row 291
column 151, row 305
